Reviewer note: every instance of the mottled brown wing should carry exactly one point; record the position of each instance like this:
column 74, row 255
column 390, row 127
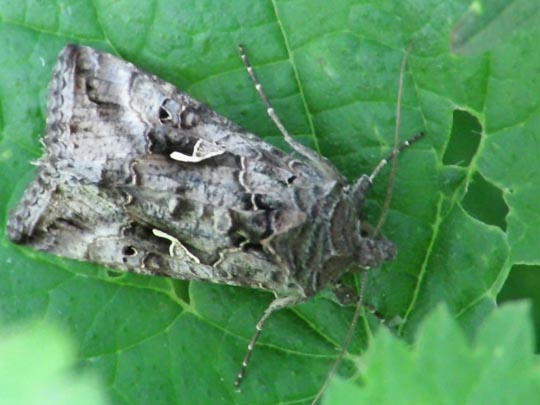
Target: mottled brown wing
column 139, row 176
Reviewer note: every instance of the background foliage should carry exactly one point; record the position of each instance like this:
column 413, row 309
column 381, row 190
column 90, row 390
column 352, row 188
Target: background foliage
column 30, row 375
column 465, row 202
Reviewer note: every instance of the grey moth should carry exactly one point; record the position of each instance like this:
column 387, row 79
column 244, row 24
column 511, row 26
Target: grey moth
column 139, row 176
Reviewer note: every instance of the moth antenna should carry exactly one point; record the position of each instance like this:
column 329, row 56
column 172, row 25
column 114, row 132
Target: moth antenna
column 398, row 148
column 392, row 155
column 278, row 303
column 389, row 189
column 321, row 163
column 258, row 86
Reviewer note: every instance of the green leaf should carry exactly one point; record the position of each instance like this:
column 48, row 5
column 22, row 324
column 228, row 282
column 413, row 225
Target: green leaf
column 331, row 69
column 35, row 363
column 487, row 24
column 443, row 367
column 523, row 282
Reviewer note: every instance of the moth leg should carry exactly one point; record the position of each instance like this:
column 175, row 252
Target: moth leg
column 322, row 164
column 276, row 304
column 347, row 295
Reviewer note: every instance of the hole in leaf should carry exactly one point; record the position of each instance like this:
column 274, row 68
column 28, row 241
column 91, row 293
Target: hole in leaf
column 464, row 139
column 181, row 290
column 523, row 282
column 485, row 202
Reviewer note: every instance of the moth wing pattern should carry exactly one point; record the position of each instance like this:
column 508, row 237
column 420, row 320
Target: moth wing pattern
column 139, row 176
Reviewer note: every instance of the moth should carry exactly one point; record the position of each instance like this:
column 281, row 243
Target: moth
column 139, row 176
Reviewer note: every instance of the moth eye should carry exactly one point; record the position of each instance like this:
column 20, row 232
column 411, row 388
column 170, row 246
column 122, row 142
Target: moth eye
column 129, row 251
column 164, row 115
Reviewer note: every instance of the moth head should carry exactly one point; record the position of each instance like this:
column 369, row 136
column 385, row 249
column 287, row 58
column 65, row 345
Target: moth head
column 372, row 252
column 373, row 249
